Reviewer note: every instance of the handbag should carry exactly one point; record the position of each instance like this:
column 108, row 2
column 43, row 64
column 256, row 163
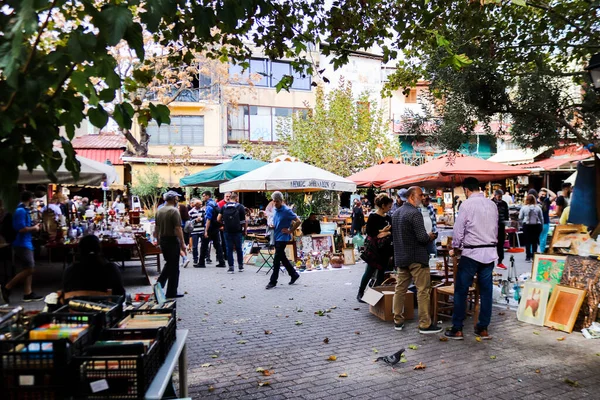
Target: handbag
column 188, row 227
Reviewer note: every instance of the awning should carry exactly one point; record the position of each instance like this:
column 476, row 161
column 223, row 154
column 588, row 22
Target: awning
column 239, row 165
column 379, row 174
column 516, row 156
column 554, row 163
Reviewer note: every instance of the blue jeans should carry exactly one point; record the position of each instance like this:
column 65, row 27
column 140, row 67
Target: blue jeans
column 467, row 268
column 234, row 239
column 544, row 237
column 195, row 241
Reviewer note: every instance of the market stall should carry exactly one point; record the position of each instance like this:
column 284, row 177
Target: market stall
column 239, row 165
column 381, row 173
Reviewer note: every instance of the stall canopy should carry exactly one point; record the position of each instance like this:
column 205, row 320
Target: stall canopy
column 557, row 163
column 381, row 173
column 92, row 173
column 451, row 169
column 516, row 156
column 239, row 165
column 288, row 175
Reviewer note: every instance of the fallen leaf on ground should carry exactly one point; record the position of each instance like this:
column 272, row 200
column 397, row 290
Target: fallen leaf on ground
column 178, row 319
column 598, row 354
column 243, row 297
column 478, row 339
column 206, row 365
column 238, row 332
column 356, row 309
column 242, row 341
column 328, row 310
column 571, row 382
column 537, row 371
column 276, row 307
column 333, row 307
column 291, row 298
column 298, row 322
column 219, row 301
column 420, row 366
column 560, row 339
column 299, row 310
column 268, row 332
column 320, row 313
column 536, row 333
column 214, row 356
column 443, row 339
column 403, row 359
column 185, row 293
column 356, row 332
column 326, row 340
column 204, row 320
column 375, row 350
column 260, row 369
column 205, row 313
column 501, row 313
column 332, row 358
column 263, row 384
column 492, row 357
column 343, row 375
column 413, row 346
column 268, row 372
column 210, row 388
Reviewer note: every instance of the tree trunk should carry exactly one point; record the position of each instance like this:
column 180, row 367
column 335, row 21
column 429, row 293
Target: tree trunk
column 140, row 148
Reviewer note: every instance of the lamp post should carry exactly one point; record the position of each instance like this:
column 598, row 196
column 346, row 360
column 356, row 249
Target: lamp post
column 593, row 69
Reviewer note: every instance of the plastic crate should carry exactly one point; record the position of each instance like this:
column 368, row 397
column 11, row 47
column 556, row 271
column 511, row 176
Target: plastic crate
column 12, row 323
column 167, row 334
column 112, row 317
column 42, row 369
column 119, row 377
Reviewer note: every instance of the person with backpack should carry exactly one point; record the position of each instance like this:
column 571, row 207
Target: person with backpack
column 233, row 218
column 22, row 251
column 211, row 232
column 531, row 216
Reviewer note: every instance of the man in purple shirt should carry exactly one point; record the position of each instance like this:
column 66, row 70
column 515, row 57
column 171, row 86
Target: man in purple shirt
column 475, row 235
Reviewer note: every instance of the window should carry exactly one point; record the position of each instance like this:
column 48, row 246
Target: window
column 269, row 74
column 260, row 68
column 257, row 123
column 184, row 130
column 412, row 96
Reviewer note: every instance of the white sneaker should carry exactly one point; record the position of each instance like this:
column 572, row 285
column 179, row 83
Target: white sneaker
column 185, row 262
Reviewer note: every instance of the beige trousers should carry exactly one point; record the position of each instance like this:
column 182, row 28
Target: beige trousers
column 422, row 278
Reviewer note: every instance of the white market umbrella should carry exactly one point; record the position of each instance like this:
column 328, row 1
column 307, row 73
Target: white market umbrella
column 92, row 173
column 288, row 175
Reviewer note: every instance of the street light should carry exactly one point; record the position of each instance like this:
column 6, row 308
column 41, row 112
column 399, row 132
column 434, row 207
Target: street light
column 594, row 70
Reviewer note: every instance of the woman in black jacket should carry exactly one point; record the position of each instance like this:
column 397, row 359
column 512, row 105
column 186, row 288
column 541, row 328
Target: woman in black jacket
column 92, row 271
column 378, row 244
column 358, row 218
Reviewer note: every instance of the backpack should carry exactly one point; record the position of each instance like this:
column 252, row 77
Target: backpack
column 533, row 216
column 7, row 231
column 231, row 217
column 214, row 224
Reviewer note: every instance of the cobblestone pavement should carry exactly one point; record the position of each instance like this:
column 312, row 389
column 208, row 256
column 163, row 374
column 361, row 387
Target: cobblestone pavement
column 247, row 327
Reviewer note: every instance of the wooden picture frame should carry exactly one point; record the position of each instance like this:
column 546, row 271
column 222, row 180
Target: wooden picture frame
column 548, row 268
column 349, row 256
column 564, row 307
column 323, row 243
column 534, row 302
column 290, row 251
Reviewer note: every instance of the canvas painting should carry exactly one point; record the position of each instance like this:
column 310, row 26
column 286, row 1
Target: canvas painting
column 548, row 268
column 322, row 243
column 247, row 247
column 534, row 300
column 564, row 307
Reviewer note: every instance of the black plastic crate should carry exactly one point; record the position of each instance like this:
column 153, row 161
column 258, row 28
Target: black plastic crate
column 12, row 323
column 167, row 334
column 42, row 369
column 113, row 315
column 121, row 376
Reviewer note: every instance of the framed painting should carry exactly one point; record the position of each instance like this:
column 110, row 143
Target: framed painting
column 534, row 301
column 247, row 247
column 563, row 307
column 290, row 251
column 349, row 256
column 548, row 268
column 322, row 243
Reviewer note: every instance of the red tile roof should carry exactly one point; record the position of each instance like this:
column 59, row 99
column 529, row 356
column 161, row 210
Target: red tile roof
column 101, row 155
column 101, row 141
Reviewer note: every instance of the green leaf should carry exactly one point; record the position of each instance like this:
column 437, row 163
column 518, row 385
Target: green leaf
column 117, row 18
column 413, row 346
column 521, row 3
column 121, row 116
column 98, row 117
column 135, row 40
column 160, row 113
column 106, row 95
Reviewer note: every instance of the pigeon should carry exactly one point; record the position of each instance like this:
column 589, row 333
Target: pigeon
column 393, row 359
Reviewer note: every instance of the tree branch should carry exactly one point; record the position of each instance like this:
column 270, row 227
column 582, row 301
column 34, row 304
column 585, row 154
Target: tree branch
column 545, row 7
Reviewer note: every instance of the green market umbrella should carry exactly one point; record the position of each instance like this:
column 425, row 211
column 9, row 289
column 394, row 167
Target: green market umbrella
column 239, row 165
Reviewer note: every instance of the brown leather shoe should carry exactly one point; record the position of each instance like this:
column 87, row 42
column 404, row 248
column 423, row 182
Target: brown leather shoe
column 483, row 334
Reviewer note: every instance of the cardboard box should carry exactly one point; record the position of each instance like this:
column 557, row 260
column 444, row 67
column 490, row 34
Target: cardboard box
column 381, row 302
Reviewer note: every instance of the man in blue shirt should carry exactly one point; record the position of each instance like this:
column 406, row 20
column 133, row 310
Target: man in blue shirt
column 285, row 223
column 211, row 232
column 22, row 251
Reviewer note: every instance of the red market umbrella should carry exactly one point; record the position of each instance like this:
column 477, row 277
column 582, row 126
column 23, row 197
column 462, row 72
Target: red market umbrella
column 379, row 174
column 452, row 169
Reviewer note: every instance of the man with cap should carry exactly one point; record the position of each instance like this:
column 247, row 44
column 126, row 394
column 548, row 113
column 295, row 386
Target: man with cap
column 285, row 222
column 400, row 199
column 475, row 235
column 169, row 234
